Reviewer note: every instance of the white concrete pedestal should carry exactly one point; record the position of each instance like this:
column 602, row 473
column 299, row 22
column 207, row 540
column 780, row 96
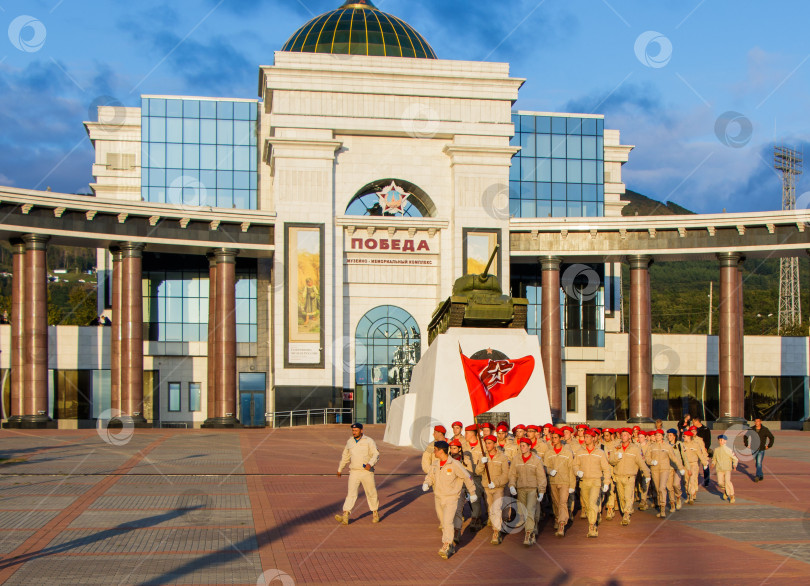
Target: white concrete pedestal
column 438, row 393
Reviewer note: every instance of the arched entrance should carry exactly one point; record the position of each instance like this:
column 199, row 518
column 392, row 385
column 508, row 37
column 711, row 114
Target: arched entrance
column 387, row 345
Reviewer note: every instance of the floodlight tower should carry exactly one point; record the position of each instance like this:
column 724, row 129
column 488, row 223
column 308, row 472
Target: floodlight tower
column 789, row 162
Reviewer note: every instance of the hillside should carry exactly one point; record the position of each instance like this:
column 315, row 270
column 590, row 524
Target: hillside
column 680, row 290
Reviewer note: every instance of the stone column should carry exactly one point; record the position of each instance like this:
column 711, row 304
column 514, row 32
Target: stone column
column 225, row 341
column 730, row 342
column 132, row 334
column 212, row 333
column 115, row 342
column 550, row 334
column 640, row 341
column 17, row 319
column 35, row 333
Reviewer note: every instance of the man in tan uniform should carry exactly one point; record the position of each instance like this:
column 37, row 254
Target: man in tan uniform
column 592, row 468
column 458, row 431
column 559, row 461
column 497, row 464
column 527, row 482
column 725, row 461
column 472, row 453
column 676, row 482
column 439, row 433
column 361, row 455
column 643, row 488
column 447, row 476
column 661, row 457
column 695, row 455
column 506, row 443
column 627, row 460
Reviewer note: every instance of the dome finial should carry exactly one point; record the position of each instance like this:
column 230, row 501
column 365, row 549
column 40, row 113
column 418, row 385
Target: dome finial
column 359, row 4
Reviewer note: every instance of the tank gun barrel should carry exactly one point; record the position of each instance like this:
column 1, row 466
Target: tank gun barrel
column 483, row 275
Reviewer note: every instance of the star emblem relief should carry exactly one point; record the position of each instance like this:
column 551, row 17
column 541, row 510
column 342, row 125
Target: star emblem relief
column 393, row 199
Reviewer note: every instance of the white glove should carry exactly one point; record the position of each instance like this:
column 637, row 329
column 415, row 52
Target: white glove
column 484, row 459
column 512, row 491
column 571, row 491
column 605, row 487
column 540, row 497
column 619, row 455
column 491, row 485
column 580, row 473
column 425, row 487
column 473, row 498
column 683, row 472
column 655, row 462
column 553, row 473
column 647, row 480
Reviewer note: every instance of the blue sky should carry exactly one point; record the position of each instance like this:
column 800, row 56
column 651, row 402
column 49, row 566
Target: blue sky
column 702, row 88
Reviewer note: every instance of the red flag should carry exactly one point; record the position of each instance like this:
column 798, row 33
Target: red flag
column 490, row 382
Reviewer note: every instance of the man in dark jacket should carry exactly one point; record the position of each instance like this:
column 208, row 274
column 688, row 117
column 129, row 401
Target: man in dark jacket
column 704, row 434
column 760, row 439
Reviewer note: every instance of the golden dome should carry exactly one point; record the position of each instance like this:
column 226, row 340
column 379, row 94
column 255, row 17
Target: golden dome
column 359, row 28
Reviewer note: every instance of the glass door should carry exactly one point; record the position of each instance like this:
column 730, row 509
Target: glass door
column 383, row 395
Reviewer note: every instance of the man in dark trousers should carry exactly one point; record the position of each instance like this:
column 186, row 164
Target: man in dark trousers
column 759, row 438
column 704, row 434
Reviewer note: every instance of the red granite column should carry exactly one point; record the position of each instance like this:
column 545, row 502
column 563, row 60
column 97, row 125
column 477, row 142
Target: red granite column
column 17, row 319
column 730, row 342
column 550, row 334
column 132, row 334
column 35, row 333
column 115, row 342
column 640, row 341
column 212, row 333
column 225, row 341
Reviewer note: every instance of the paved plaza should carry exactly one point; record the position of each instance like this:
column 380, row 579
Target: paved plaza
column 253, row 506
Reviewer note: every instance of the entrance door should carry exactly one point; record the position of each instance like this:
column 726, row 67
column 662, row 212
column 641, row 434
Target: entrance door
column 252, row 392
column 383, row 395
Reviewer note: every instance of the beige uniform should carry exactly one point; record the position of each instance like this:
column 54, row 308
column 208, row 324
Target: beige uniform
column 510, row 448
column 355, row 454
column 447, row 482
column 694, row 454
column 724, row 461
column 595, row 471
column 560, row 467
column 626, row 464
column 528, row 476
column 610, row 497
column 472, row 454
column 499, row 476
column 427, row 457
column 661, row 458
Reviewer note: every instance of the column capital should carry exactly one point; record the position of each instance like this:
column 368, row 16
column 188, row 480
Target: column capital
column 225, row 255
column 550, row 263
column 730, row 259
column 131, row 249
column 116, row 253
column 36, row 241
column 212, row 259
column 639, row 261
column 17, row 245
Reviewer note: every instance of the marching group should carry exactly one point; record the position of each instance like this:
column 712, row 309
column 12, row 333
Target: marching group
column 605, row 470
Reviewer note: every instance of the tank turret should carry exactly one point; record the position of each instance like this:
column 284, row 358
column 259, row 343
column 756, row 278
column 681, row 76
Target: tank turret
column 477, row 301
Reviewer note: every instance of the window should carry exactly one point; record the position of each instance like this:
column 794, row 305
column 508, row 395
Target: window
column 194, row 396
column 174, row 396
column 570, row 399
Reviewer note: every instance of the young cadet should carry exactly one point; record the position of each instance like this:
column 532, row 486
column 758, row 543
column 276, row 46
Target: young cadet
column 694, row 455
column 661, row 456
column 506, row 443
column 457, row 453
column 592, row 468
column 567, row 436
column 725, row 461
column 361, row 455
column 472, row 453
column 439, row 433
column 527, row 481
column 643, row 488
column 447, row 476
column 495, row 460
column 458, row 433
column 676, row 480
column 627, row 460
column 559, row 462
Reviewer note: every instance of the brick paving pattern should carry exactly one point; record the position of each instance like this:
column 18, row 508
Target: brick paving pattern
column 211, row 507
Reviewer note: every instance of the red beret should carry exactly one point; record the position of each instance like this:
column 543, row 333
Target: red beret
column 590, row 432
column 534, row 427
column 520, row 426
column 548, row 425
column 636, row 428
column 555, row 430
column 566, row 427
column 525, row 440
column 455, row 443
column 693, row 428
column 457, row 424
column 597, row 430
column 658, row 432
column 472, row 427
column 608, row 430
column 504, row 424
column 440, row 428
column 490, row 438
column 582, row 426
column 501, row 427
column 487, row 426
column 689, row 433
column 626, row 430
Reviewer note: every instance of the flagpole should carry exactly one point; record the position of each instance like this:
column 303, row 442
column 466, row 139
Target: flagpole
column 480, row 436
